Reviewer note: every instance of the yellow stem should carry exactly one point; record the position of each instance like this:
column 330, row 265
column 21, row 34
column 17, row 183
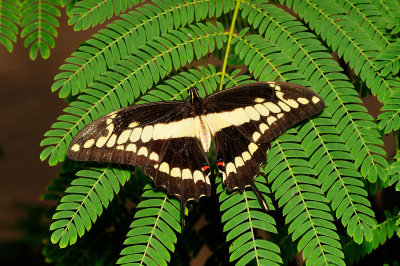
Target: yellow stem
column 229, row 43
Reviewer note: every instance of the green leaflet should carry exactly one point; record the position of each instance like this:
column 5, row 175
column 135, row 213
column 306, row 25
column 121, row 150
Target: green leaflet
column 304, row 203
column 152, row 235
column 389, row 120
column 87, row 14
column 383, row 232
column 9, row 21
column 84, row 201
column 388, row 62
column 242, row 216
column 39, row 26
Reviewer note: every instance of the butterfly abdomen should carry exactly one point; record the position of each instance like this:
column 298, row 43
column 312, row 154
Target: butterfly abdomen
column 203, row 133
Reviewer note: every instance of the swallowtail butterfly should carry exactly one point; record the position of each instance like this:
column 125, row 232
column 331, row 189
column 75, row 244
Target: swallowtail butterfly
column 170, row 139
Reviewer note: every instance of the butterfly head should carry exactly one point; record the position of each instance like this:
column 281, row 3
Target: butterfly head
column 194, row 95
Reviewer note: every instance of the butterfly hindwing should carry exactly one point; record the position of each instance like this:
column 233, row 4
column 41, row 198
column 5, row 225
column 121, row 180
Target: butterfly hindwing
column 246, row 118
column 183, row 170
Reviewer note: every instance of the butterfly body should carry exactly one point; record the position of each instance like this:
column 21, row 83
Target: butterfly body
column 169, row 139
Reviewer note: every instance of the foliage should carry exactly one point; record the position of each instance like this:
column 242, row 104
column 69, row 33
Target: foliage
column 320, row 175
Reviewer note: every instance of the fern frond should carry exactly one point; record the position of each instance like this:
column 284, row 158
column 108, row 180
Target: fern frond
column 322, row 73
column 125, row 37
column 381, row 233
column 86, row 198
column 89, row 13
column 9, row 19
column 127, row 80
column 304, row 204
column 39, row 26
column 344, row 36
column 389, row 120
column 389, row 59
column 152, row 236
column 243, row 216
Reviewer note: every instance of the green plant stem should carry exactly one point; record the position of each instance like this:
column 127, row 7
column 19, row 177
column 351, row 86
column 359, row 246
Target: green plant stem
column 396, row 142
column 229, row 43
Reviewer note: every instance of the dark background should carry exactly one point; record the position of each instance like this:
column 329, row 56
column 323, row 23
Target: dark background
column 28, row 108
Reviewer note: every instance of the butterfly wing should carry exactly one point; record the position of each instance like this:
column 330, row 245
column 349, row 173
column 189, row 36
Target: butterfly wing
column 159, row 136
column 246, row 118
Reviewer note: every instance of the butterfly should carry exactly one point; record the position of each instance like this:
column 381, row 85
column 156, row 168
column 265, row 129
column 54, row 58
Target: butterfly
column 170, row 139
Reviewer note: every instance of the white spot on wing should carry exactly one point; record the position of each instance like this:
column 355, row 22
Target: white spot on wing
column 259, row 100
column 102, row 140
column 263, row 127
column 176, row 172
column 256, row 136
column 88, row 143
column 262, row 109
column 120, row 147
column 143, row 151
column 271, row 119
column 164, row 167
column 315, row 99
column 303, row 100
column 154, row 156
column 135, row 136
column 186, row 174
column 252, row 113
column 278, row 88
column 272, row 107
column 198, row 176
column 246, row 156
column 131, row 147
column 239, row 162
column 147, row 133
column 133, row 124
column 76, row 147
column 124, row 136
column 292, row 103
column 111, row 141
column 230, row 168
column 280, row 115
column 284, row 106
column 252, row 148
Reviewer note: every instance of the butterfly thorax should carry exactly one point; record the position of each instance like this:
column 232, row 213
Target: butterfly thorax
column 201, row 125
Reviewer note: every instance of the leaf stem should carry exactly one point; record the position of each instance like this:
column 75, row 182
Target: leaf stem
column 229, row 42
column 396, row 141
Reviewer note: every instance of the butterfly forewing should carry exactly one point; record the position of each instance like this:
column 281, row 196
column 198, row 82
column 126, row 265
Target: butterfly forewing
column 246, row 118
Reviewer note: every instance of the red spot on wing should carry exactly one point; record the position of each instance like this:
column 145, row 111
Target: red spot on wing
column 220, row 164
column 205, row 168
